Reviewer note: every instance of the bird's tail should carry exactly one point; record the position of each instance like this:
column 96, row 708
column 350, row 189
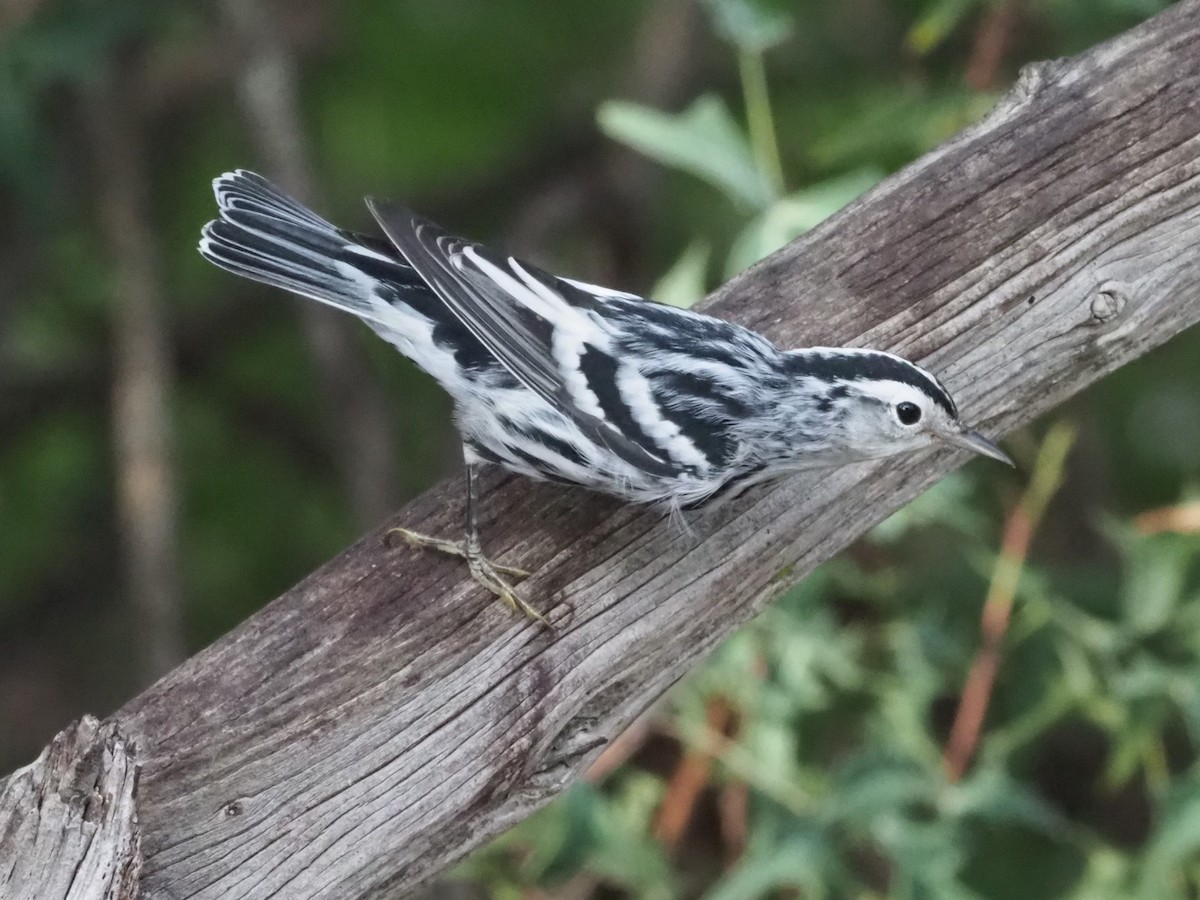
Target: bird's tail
column 265, row 235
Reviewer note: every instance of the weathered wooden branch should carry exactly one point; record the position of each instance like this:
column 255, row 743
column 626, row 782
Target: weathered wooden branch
column 68, row 823
column 386, row 716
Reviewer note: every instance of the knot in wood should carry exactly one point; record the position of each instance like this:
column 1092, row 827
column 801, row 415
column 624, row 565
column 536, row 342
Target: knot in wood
column 1108, row 302
column 233, row 809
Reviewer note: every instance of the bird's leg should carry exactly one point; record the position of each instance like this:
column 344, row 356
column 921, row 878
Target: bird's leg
column 487, row 573
column 461, row 549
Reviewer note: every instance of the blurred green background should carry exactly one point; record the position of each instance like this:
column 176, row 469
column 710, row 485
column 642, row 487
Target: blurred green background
column 178, row 446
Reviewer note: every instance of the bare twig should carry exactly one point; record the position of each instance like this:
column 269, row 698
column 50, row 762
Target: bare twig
column 142, row 378
column 1183, row 518
column 1022, row 523
column 691, row 777
column 992, row 42
column 733, row 810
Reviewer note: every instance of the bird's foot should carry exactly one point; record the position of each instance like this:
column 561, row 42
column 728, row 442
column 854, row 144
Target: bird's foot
column 490, row 575
column 454, row 548
column 487, row 573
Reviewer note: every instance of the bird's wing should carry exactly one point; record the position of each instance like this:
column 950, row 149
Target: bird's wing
column 523, row 315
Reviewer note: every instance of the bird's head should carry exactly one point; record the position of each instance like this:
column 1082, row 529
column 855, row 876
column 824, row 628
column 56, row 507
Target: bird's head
column 875, row 404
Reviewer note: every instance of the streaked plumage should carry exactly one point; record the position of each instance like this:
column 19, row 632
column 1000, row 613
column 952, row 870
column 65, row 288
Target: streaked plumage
column 557, row 379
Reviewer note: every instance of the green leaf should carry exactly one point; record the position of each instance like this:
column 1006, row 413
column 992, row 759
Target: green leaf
column 684, row 283
column 995, row 796
column 875, row 783
column 787, row 219
column 625, row 854
column 814, row 661
column 935, row 24
column 567, row 837
column 1155, row 581
column 703, row 140
column 947, row 503
column 602, row 833
column 1105, row 876
column 749, row 24
column 890, row 124
column 804, row 861
column 928, row 857
column 1175, row 841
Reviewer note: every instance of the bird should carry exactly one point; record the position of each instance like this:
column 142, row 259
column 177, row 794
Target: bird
column 563, row 381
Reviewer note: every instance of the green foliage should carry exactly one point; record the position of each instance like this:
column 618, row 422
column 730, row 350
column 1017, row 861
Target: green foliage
column 419, row 94
column 750, row 25
column 605, row 831
column 789, row 217
column 937, row 21
column 67, row 42
column 703, row 140
column 684, row 283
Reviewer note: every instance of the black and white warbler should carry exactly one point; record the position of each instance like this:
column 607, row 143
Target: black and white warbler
column 566, row 381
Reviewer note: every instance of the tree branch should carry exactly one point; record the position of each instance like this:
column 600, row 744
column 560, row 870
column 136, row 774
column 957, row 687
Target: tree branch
column 386, row 716
column 68, row 823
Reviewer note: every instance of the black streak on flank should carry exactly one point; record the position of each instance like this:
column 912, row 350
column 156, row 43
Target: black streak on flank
column 600, row 370
column 485, row 454
column 555, row 445
column 710, row 438
column 702, row 412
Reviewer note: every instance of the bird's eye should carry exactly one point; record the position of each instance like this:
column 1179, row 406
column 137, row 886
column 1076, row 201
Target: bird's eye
column 908, row 413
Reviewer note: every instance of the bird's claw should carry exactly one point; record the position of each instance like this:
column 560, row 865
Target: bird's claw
column 488, row 574
column 485, row 572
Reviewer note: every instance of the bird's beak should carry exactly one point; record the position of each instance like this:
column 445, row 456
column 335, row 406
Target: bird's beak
column 977, row 443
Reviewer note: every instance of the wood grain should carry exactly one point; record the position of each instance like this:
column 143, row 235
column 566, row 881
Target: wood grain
column 68, row 822
column 384, row 716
